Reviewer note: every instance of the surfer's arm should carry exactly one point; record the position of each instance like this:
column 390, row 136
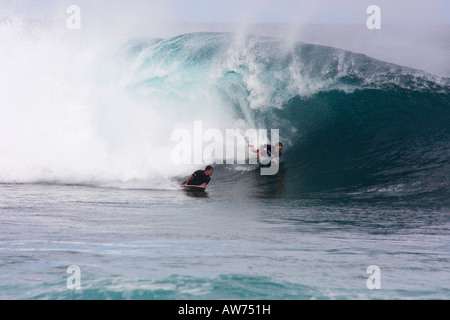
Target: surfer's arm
column 252, row 149
column 272, row 159
column 187, row 181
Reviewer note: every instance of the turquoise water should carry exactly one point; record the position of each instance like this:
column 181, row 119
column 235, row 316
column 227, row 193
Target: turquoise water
column 147, row 244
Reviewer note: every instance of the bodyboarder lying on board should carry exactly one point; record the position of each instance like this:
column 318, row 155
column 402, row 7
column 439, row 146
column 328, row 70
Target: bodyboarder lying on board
column 199, row 178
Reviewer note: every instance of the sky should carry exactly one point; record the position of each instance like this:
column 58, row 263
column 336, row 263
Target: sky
column 240, row 11
column 414, row 33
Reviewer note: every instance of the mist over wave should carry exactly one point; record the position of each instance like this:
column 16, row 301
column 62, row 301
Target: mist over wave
column 101, row 113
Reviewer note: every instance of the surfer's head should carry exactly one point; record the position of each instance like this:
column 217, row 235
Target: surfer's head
column 209, row 170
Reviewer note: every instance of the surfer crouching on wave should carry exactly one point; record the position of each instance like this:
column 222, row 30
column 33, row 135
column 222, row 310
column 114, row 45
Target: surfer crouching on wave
column 199, row 178
column 266, row 153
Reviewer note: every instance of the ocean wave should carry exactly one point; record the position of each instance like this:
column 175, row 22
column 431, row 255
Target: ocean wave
column 105, row 113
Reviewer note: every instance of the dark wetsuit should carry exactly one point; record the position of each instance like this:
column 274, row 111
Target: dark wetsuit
column 199, row 177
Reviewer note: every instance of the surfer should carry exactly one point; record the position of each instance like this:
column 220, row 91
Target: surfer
column 266, row 152
column 199, row 178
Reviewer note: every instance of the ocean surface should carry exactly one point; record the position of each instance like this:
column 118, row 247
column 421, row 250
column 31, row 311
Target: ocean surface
column 86, row 177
